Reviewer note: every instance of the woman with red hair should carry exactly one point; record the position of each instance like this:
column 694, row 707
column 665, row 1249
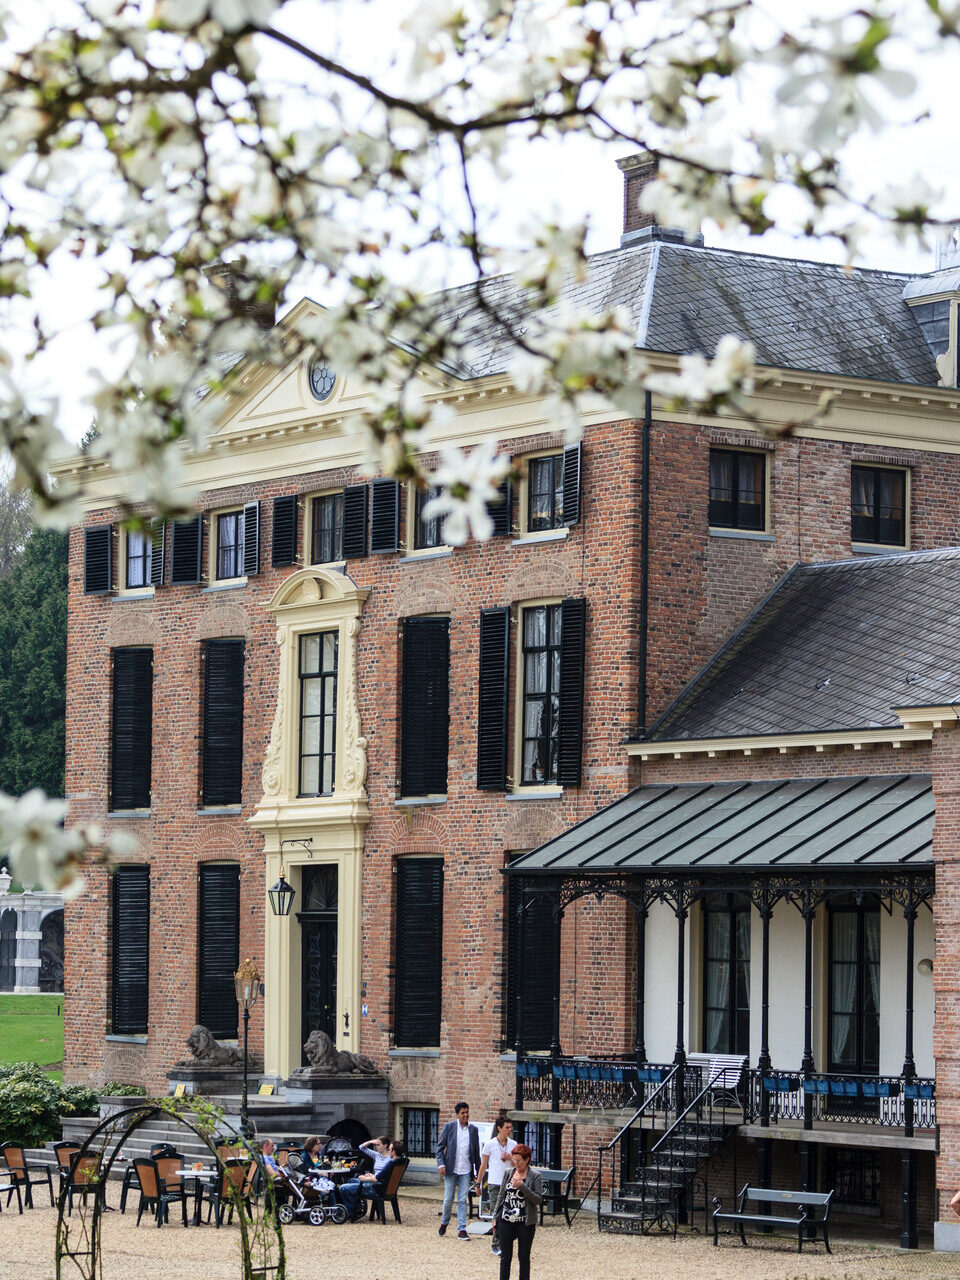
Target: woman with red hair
column 521, row 1196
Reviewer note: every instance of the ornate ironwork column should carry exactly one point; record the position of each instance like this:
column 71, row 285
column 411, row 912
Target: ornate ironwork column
column 765, row 1146
column 908, row 1231
column 680, row 1056
column 807, row 1149
column 641, row 1048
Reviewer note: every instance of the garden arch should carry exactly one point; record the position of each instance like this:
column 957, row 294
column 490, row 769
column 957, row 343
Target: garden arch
column 262, row 1254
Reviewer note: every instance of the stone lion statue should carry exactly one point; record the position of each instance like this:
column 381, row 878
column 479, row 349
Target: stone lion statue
column 207, row 1053
column 324, row 1056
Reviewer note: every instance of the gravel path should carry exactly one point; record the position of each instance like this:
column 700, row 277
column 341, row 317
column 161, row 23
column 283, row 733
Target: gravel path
column 412, row 1251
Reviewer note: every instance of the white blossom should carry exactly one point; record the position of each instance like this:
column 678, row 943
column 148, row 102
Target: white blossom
column 468, row 483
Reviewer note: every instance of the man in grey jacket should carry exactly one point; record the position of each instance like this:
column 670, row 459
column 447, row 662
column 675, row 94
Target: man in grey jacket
column 458, row 1159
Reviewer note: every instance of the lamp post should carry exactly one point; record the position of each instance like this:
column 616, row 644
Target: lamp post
column 247, row 983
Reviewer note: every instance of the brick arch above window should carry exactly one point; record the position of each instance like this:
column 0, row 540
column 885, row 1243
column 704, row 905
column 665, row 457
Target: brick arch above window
column 421, row 833
column 428, row 600
column 223, row 620
column 139, row 626
column 532, row 827
column 220, row 843
column 543, row 581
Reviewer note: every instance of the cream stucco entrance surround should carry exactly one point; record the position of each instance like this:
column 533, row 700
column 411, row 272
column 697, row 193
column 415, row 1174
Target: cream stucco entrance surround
column 311, row 601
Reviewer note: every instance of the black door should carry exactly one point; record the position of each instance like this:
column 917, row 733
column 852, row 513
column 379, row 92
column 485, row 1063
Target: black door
column 854, row 988
column 318, row 930
column 8, row 950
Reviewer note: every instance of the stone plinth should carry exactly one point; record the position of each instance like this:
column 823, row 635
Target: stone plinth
column 210, row 1081
column 333, row 1097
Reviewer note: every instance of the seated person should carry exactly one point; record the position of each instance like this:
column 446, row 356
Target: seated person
column 301, row 1162
column 368, row 1184
column 377, row 1150
column 267, row 1148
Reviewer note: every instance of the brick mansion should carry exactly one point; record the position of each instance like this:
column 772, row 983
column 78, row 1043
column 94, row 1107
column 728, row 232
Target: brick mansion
column 668, row 768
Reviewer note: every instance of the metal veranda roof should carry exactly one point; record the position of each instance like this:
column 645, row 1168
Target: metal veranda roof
column 820, row 824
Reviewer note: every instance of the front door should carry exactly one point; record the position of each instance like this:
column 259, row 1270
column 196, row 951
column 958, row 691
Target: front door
column 318, row 929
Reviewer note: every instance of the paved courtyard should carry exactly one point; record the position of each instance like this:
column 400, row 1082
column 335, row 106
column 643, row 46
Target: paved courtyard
column 413, row 1251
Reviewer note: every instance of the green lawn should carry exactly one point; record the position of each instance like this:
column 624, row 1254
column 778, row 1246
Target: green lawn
column 31, row 1029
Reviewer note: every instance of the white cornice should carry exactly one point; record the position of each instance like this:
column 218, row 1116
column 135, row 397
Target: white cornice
column 782, row 744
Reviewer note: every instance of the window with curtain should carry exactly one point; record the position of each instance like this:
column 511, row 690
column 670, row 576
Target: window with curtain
column 878, row 505
column 545, row 493
column 541, row 693
column 737, row 484
column 318, row 713
column 230, row 545
column 326, row 546
column 854, row 988
column 139, row 548
column 426, row 533
column 726, row 974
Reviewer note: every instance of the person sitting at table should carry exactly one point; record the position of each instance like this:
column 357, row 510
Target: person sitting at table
column 378, row 1150
column 302, row 1161
column 368, row 1183
column 267, row 1148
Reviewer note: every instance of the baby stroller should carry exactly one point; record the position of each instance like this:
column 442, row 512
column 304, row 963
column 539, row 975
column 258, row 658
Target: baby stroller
column 313, row 1197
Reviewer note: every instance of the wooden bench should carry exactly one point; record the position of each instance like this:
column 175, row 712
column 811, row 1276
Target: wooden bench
column 812, row 1213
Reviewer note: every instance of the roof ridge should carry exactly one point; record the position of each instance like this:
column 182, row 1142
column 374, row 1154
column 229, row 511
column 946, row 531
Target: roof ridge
column 880, row 559
column 752, row 254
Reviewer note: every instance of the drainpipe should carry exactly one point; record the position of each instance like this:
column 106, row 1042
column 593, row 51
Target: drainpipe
column 644, row 564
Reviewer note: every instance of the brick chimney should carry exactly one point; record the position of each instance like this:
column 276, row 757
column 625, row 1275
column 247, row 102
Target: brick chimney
column 639, row 227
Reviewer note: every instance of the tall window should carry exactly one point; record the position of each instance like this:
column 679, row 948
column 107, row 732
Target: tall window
column 877, row 505
column 426, row 533
column 736, row 489
column 230, row 545
column 545, row 493
column 854, row 988
column 419, row 952
column 222, row 771
column 131, row 736
column 218, row 947
column 139, row 549
column 131, row 949
column 318, row 713
column 327, row 538
column 726, row 974
column 541, row 693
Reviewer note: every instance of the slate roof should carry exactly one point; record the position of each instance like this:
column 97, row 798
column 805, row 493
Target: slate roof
column 809, row 316
column 827, row 824
column 834, row 646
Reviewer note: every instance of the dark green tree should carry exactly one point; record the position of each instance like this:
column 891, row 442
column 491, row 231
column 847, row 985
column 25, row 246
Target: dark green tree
column 33, row 661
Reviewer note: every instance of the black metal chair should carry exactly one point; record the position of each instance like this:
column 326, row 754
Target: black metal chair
column 159, row 1151
column 229, row 1191
column 25, row 1175
column 155, row 1195
column 65, row 1151
column 379, row 1198
column 82, row 1179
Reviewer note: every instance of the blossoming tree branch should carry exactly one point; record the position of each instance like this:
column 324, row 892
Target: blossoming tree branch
column 169, row 148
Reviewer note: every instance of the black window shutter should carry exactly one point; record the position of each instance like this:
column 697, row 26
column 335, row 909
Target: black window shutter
column 501, row 510
column 284, row 531
column 97, row 559
column 425, row 706
column 132, row 729
column 573, row 617
column 158, row 553
column 251, row 539
column 384, row 515
column 492, row 700
column 222, row 722
column 419, row 951
column 572, row 456
column 531, row 961
column 218, row 949
column 131, row 949
column 185, row 551
column 355, row 521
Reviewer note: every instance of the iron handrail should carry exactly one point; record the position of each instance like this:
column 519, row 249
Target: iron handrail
column 711, row 1084
column 643, row 1106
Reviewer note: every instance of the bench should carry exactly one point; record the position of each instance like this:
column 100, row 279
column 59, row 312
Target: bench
column 812, row 1213
column 724, row 1073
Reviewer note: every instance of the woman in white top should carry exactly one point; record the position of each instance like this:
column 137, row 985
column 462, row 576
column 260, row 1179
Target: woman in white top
column 494, row 1163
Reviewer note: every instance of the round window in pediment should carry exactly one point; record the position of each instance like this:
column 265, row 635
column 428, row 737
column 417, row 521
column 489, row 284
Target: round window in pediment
column 322, row 379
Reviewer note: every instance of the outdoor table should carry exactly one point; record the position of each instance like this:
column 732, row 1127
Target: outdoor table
column 199, row 1176
column 556, row 1189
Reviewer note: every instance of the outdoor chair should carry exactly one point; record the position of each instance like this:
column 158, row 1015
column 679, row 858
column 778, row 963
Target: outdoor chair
column 82, row 1179
column 159, row 1151
column 64, row 1152
column 228, row 1192
column 26, row 1176
column 379, row 1199
column 155, row 1195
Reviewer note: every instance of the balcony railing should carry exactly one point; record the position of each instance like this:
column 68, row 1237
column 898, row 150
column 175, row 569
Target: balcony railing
column 773, row 1097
